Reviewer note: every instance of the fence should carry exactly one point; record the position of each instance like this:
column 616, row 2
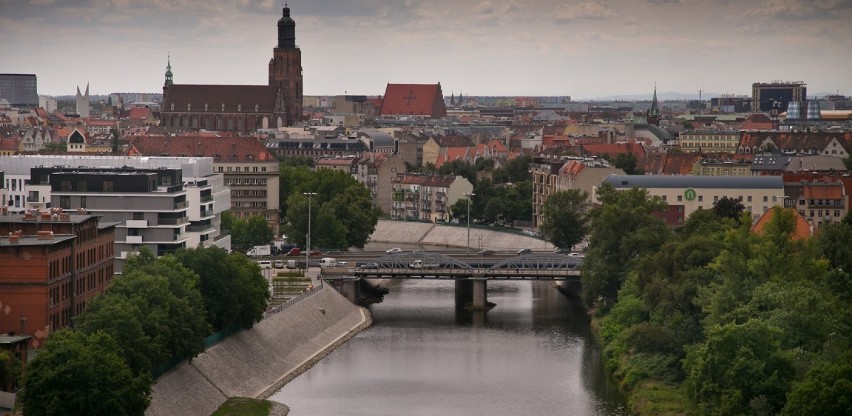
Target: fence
column 294, row 300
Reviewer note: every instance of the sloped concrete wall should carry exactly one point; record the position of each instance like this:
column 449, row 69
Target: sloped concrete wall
column 257, row 362
column 388, row 231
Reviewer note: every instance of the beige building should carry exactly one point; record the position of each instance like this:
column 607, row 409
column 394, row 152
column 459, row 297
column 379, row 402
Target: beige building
column 377, row 171
column 685, row 194
column 427, row 198
column 561, row 175
column 437, row 145
column 709, row 141
column 708, row 167
column 251, row 172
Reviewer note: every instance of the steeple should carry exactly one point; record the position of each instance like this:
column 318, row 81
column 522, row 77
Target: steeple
column 169, row 80
column 286, row 30
column 655, row 106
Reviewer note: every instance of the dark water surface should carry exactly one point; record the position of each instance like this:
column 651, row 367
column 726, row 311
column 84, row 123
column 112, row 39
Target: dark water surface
column 531, row 355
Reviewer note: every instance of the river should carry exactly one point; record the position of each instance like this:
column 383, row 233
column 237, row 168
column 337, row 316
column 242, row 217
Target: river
column 532, row 354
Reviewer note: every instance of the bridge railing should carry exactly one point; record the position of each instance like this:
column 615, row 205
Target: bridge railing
column 294, row 300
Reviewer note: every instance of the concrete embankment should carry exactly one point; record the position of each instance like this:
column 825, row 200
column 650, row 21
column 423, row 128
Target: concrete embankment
column 388, row 231
column 257, row 362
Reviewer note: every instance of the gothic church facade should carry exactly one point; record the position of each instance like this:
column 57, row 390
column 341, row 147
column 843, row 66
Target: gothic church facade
column 241, row 108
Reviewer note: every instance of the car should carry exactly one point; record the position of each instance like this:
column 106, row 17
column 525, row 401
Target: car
column 575, row 254
column 524, row 251
column 370, row 266
column 279, row 264
column 393, row 250
column 315, row 252
column 417, row 251
column 485, row 252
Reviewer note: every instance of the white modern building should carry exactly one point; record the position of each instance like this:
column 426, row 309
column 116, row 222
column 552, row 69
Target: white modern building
column 163, row 203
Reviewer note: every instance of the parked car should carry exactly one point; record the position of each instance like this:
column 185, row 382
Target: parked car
column 265, row 264
column 279, row 264
column 524, row 251
column 575, row 254
column 393, row 250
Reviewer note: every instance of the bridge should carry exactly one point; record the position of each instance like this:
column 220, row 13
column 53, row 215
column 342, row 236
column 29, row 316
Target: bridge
column 470, row 276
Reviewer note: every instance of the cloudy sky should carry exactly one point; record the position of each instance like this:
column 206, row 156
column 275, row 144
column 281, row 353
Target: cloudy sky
column 585, row 49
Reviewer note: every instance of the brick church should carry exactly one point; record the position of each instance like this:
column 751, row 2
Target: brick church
column 242, row 108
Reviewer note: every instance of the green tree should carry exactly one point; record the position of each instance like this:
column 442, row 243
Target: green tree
column 10, row 370
column 60, row 147
column 833, row 241
column 622, row 229
column 565, row 220
column 357, row 215
column 82, row 374
column 233, row 290
column 459, row 167
column 629, row 163
column 728, row 208
column 826, row 390
column 297, row 161
column 848, row 162
column 246, row 233
column 515, row 170
column 115, row 144
column 740, row 369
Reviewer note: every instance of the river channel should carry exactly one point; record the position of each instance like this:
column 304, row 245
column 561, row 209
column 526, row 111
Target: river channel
column 532, row 354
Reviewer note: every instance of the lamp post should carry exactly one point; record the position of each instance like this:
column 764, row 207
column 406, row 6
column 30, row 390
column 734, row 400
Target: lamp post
column 468, row 195
column 308, row 243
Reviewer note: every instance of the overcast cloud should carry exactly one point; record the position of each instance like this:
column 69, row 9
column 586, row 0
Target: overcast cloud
column 585, row 49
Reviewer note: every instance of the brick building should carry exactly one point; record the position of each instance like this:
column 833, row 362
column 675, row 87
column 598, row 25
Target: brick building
column 53, row 264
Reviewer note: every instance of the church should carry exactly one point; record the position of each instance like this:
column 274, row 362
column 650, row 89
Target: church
column 242, row 108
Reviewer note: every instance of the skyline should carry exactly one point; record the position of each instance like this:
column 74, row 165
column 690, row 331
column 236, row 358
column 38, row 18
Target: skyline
column 586, row 49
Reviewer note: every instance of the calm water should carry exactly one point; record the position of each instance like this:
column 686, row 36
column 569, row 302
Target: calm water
column 530, row 355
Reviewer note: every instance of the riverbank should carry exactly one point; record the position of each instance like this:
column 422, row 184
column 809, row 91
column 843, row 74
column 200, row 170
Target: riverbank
column 402, row 232
column 257, row 362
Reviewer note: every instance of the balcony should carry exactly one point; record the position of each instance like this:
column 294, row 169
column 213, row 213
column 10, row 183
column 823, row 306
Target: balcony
column 172, row 221
column 199, row 228
column 206, row 198
column 133, row 239
column 179, row 205
column 136, row 223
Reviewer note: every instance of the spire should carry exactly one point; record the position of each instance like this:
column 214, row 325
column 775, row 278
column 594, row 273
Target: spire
column 169, row 80
column 286, row 30
column 655, row 106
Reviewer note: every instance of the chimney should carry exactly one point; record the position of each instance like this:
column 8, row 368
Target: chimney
column 45, row 235
column 13, row 238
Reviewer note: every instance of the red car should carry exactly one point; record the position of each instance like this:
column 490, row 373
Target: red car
column 316, row 252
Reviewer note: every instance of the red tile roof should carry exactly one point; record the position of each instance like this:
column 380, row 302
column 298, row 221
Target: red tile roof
column 802, row 231
column 140, row 113
column 614, row 149
column 414, row 99
column 241, row 149
column 824, row 191
column 679, row 164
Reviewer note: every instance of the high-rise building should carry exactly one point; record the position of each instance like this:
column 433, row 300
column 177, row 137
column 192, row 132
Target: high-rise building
column 21, row 90
column 776, row 95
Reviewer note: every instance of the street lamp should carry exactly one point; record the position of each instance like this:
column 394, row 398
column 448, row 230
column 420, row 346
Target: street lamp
column 468, row 195
column 308, row 243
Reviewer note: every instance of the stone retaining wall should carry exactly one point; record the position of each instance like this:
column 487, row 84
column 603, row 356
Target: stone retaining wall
column 257, row 362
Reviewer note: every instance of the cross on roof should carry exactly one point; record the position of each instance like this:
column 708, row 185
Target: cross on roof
column 410, row 97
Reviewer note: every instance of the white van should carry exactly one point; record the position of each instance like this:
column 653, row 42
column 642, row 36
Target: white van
column 328, row 262
column 265, row 264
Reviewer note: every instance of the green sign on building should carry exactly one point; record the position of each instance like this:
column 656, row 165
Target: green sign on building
column 689, row 194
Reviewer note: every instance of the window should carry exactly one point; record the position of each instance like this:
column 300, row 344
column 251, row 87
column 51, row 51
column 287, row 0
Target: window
column 765, row 198
column 749, row 198
column 138, row 216
column 82, row 202
column 108, row 186
column 65, row 202
column 700, row 198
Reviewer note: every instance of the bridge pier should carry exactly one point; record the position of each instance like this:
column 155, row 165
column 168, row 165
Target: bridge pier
column 351, row 289
column 480, row 297
column 464, row 293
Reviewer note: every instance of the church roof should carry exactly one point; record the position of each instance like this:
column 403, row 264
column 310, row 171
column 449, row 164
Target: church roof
column 222, row 149
column 235, row 98
column 414, row 99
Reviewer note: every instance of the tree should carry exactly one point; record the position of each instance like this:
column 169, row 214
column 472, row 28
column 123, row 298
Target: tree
column 515, row 170
column 246, row 233
column 728, row 208
column 115, row 145
column 10, row 370
column 622, row 229
column 628, row 162
column 357, row 215
column 82, row 374
column 740, row 369
column 848, row 162
column 826, row 390
column 564, row 220
column 459, row 167
column 233, row 290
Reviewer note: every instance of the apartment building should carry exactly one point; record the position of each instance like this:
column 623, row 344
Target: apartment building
column 554, row 175
column 251, row 172
column 377, row 172
column 164, row 203
column 709, row 141
column 427, row 198
column 53, row 264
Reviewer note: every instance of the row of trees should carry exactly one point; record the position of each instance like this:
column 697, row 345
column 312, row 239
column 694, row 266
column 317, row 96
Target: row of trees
column 717, row 319
column 159, row 310
column 503, row 198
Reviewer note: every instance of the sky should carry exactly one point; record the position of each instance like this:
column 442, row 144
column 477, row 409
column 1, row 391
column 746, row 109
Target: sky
column 583, row 49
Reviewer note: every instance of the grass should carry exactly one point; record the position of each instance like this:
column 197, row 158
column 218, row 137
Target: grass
column 657, row 398
column 241, row 406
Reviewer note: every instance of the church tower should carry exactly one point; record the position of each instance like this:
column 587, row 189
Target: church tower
column 654, row 112
column 285, row 68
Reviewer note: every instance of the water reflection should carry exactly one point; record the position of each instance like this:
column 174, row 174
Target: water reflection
column 532, row 354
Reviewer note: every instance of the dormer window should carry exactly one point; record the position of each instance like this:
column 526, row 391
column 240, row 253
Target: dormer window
column 249, row 157
column 233, row 157
column 216, row 156
column 239, row 107
column 256, row 107
column 173, row 107
column 188, row 106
